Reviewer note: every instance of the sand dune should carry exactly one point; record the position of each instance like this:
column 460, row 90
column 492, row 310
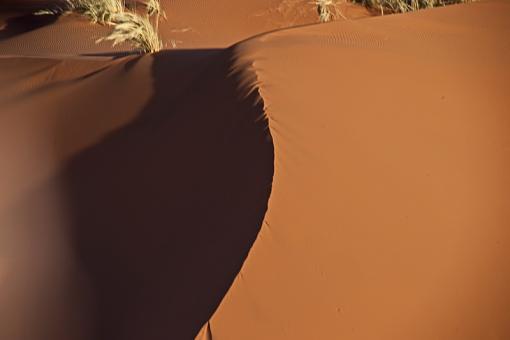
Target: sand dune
column 403, row 180
column 170, row 170
column 189, row 24
column 346, row 180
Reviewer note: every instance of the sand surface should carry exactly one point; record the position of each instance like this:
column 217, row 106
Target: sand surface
column 270, row 178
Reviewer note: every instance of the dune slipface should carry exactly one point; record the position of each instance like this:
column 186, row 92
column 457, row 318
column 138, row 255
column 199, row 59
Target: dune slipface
column 339, row 181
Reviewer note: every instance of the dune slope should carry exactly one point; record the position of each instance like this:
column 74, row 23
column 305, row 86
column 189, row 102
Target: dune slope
column 388, row 217
column 189, row 24
column 128, row 204
column 338, row 181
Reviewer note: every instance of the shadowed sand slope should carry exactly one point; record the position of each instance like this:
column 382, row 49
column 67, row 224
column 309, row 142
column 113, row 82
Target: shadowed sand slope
column 389, row 215
column 128, row 204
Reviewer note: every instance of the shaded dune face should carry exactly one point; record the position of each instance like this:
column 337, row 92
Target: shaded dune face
column 31, row 4
column 158, row 216
column 24, row 23
column 165, row 211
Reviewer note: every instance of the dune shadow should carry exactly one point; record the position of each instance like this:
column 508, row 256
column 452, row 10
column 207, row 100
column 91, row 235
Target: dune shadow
column 165, row 210
column 113, row 55
column 31, row 5
column 25, row 23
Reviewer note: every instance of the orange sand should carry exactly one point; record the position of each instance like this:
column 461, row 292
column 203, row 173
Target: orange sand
column 347, row 180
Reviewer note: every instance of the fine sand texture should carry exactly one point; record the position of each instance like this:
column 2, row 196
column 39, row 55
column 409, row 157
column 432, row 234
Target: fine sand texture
column 269, row 178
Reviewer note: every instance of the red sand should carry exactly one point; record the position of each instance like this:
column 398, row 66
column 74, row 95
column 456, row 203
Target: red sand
column 339, row 181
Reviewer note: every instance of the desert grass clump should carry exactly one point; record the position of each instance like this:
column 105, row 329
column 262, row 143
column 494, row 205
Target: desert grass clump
column 98, row 11
column 135, row 29
column 128, row 25
column 154, row 9
column 327, row 9
column 403, row 6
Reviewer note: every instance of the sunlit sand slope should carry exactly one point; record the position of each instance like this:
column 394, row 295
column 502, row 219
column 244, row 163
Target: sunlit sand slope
column 389, row 216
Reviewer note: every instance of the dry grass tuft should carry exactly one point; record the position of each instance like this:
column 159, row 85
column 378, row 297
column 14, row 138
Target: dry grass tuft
column 135, row 29
column 327, row 9
column 128, row 26
column 403, row 6
column 154, row 8
column 330, row 9
column 98, row 11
